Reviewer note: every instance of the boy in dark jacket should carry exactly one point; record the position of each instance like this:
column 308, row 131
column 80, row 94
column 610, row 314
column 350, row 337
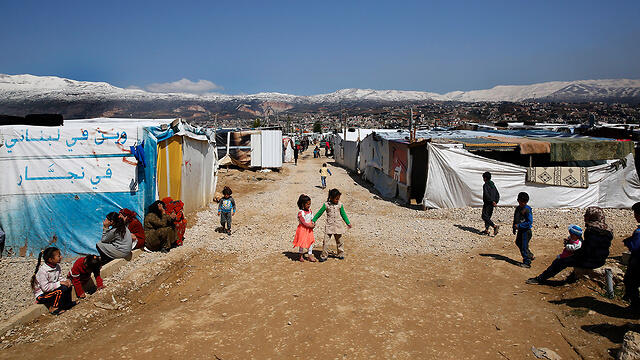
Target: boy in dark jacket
column 490, row 199
column 522, row 222
column 632, row 276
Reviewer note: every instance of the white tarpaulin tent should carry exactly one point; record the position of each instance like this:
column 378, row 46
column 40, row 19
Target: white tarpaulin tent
column 454, row 180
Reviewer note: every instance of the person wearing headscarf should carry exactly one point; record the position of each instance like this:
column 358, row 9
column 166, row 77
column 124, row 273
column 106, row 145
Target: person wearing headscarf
column 134, row 225
column 594, row 251
column 159, row 230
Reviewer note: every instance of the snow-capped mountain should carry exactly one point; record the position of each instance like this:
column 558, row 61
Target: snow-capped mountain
column 19, row 88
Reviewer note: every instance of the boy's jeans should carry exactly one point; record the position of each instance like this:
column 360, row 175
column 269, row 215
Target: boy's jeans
column 323, row 180
column 225, row 219
column 523, row 238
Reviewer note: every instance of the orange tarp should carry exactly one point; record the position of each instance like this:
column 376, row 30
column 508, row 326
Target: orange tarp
column 527, row 146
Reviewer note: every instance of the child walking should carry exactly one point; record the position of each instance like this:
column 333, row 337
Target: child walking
column 324, row 172
column 226, row 209
column 304, row 233
column 335, row 218
column 80, row 274
column 47, row 287
column 490, row 199
column 522, row 222
column 573, row 242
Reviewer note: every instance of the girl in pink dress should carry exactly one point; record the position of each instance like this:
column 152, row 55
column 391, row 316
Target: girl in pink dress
column 304, row 233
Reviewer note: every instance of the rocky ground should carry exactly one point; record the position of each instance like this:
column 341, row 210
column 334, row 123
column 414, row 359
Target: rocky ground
column 414, row 284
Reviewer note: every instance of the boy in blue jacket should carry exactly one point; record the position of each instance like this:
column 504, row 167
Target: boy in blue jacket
column 522, row 222
column 632, row 276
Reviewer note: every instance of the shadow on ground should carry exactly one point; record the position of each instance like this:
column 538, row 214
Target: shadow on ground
column 599, row 306
column 615, row 333
column 295, row 256
column 469, row 229
column 501, row 257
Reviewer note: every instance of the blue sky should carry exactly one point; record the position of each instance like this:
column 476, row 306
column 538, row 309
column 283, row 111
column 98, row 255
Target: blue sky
column 311, row 47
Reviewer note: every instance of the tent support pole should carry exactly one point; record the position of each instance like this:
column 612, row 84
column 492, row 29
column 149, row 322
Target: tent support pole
column 530, row 160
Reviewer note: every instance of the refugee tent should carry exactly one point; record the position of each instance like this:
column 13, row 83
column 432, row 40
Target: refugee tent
column 58, row 183
column 250, row 148
column 399, row 168
column 187, row 166
column 455, row 180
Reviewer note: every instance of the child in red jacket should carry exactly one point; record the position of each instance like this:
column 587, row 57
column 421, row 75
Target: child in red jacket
column 80, row 273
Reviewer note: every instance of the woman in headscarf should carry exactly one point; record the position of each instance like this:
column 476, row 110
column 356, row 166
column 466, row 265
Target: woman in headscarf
column 594, row 250
column 159, row 230
column 130, row 218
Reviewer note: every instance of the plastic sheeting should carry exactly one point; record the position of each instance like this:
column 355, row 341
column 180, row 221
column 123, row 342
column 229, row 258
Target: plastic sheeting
column 287, row 155
column 55, row 187
column 455, row 180
column 170, row 168
column 199, row 173
column 58, row 183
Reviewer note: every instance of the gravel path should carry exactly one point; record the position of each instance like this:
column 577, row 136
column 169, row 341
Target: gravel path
column 266, row 222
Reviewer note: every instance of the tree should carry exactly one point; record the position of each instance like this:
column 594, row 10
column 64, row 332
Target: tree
column 256, row 123
column 317, row 127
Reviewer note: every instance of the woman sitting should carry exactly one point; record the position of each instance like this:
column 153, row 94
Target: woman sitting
column 159, row 230
column 116, row 240
column 594, row 250
column 130, row 218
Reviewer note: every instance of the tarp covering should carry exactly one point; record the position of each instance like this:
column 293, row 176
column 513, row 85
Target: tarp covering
column 455, row 180
column 577, row 149
column 58, row 183
column 170, row 168
column 527, row 146
column 287, row 153
column 198, row 173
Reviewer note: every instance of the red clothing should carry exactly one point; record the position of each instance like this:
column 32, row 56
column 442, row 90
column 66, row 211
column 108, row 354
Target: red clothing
column 176, row 206
column 79, row 274
column 135, row 227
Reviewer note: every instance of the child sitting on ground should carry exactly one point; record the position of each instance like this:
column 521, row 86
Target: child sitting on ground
column 47, row 287
column 573, row 242
column 304, row 233
column 226, row 209
column 80, row 274
column 324, row 172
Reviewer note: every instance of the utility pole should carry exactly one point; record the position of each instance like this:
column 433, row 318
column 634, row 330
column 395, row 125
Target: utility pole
column 411, row 130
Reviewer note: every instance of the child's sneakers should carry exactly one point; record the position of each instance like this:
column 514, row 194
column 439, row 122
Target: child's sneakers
column 525, row 265
column 495, row 230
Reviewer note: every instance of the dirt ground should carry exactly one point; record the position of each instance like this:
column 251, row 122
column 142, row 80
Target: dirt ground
column 245, row 296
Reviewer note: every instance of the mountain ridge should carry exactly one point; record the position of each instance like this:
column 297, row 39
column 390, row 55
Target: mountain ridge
column 27, row 87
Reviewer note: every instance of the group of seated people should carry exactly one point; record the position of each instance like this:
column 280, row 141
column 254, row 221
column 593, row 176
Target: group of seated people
column 122, row 232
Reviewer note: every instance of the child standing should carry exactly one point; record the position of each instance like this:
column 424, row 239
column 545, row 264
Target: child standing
column 47, row 287
column 632, row 276
column 304, row 233
column 324, row 172
column 226, row 209
column 335, row 217
column 573, row 242
column 522, row 222
column 80, row 274
column 490, row 199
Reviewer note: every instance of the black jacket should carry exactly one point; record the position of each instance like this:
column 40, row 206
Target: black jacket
column 595, row 248
column 489, row 193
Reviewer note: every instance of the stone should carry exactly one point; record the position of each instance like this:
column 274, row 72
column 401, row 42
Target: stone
column 545, row 353
column 630, row 346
